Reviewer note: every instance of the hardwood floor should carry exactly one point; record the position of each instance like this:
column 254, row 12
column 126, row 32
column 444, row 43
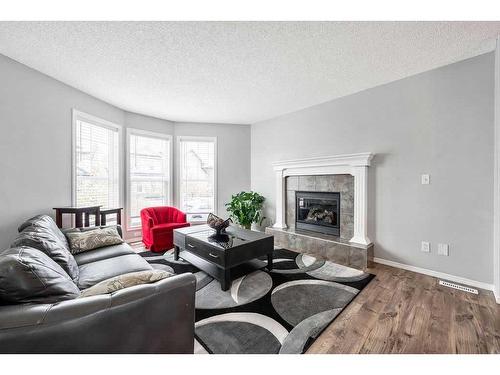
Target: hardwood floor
column 406, row 312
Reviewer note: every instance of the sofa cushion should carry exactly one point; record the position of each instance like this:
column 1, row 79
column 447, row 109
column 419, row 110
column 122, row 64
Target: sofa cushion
column 80, row 242
column 29, row 275
column 125, row 281
column 103, row 253
column 171, row 225
column 92, row 273
column 40, row 232
column 161, row 228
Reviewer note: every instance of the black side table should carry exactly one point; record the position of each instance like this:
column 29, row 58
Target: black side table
column 111, row 211
column 80, row 213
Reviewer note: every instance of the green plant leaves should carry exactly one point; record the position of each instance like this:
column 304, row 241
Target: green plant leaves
column 246, row 208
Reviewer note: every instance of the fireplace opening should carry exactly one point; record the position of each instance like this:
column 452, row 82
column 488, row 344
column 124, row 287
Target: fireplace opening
column 318, row 212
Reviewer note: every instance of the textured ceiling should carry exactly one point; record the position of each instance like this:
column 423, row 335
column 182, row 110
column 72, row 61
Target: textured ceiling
column 236, row 72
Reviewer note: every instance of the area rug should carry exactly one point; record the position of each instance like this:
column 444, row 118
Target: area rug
column 282, row 311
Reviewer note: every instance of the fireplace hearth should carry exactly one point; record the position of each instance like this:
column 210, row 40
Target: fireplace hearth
column 318, row 212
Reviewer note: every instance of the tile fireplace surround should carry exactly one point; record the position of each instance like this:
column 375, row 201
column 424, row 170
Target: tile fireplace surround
column 344, row 173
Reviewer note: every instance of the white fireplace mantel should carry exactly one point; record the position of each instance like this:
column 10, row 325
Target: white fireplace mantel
column 353, row 164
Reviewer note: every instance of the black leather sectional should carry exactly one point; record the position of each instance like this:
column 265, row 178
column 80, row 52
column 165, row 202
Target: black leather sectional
column 150, row 318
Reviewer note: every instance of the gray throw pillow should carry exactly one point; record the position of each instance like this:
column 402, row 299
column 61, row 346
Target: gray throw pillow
column 28, row 275
column 80, row 241
column 125, row 281
column 41, row 233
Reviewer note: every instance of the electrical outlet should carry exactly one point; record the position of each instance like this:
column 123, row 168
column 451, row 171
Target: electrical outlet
column 426, row 247
column 426, row 179
column 443, row 249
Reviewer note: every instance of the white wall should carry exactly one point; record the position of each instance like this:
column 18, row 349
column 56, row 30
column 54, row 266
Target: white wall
column 35, row 144
column 136, row 121
column 439, row 122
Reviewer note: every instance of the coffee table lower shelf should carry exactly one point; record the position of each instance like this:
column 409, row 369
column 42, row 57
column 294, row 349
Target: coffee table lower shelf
column 223, row 275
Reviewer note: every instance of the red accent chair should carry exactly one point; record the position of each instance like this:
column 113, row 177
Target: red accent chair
column 158, row 224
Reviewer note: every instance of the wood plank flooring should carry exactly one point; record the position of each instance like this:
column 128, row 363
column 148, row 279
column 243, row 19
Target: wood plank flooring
column 406, row 312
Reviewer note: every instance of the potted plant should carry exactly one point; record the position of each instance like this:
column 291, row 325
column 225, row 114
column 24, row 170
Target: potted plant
column 246, row 208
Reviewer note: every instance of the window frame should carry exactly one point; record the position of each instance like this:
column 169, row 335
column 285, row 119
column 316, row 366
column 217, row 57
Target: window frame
column 76, row 116
column 179, row 139
column 170, row 193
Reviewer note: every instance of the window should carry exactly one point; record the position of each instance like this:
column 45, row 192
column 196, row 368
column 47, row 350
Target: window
column 149, row 173
column 197, row 174
column 96, row 168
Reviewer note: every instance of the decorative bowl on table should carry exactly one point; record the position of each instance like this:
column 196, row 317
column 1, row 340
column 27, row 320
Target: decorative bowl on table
column 221, row 239
column 217, row 223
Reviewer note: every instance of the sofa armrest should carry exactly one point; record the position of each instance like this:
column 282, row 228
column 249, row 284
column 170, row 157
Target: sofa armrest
column 149, row 318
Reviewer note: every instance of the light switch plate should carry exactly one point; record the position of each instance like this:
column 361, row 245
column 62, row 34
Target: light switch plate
column 426, row 179
column 425, row 247
column 443, row 249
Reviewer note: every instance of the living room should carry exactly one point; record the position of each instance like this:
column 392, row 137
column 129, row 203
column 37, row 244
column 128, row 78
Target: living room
column 289, row 187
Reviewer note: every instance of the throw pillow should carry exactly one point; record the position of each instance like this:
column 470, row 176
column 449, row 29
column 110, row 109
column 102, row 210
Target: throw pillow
column 29, row 275
column 125, row 281
column 93, row 239
column 43, row 236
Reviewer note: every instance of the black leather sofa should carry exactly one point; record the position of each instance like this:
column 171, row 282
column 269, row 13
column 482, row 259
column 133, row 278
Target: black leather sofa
column 150, row 318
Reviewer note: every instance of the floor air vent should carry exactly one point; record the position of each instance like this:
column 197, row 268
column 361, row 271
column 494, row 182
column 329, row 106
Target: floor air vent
column 459, row 287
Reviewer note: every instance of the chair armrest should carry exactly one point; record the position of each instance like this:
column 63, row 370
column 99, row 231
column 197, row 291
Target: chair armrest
column 146, row 219
column 149, row 318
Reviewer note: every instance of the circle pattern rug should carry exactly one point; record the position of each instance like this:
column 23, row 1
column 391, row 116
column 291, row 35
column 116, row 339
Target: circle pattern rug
column 279, row 311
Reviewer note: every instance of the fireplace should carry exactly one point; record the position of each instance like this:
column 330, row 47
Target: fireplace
column 318, row 212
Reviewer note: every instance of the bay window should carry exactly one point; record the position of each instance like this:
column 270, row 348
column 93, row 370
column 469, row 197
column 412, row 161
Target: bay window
column 96, row 161
column 197, row 176
column 148, row 173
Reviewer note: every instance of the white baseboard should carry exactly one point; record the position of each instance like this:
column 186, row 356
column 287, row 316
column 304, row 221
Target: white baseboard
column 440, row 275
column 497, row 296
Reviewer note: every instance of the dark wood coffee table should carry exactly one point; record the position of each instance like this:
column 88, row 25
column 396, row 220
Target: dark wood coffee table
column 217, row 255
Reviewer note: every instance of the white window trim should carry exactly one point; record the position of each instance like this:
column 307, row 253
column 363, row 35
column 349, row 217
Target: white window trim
column 82, row 116
column 170, row 193
column 178, row 169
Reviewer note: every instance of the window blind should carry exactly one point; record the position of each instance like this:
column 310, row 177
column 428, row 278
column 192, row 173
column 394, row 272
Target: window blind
column 197, row 175
column 96, row 165
column 149, row 174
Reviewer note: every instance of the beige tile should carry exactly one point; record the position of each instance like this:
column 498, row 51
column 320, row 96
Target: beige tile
column 307, row 183
column 290, row 209
column 346, row 226
column 357, row 258
column 292, row 183
column 324, row 183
